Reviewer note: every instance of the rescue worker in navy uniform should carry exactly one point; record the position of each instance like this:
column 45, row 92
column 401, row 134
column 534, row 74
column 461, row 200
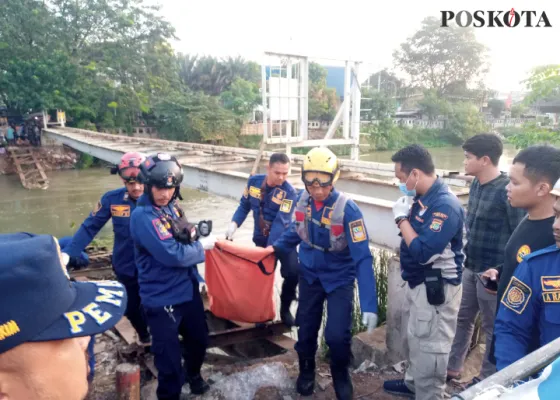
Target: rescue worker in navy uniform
column 168, row 278
column 531, row 301
column 431, row 256
column 272, row 198
column 334, row 251
column 118, row 205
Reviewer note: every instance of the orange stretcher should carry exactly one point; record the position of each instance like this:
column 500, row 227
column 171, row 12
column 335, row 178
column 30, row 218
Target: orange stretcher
column 240, row 281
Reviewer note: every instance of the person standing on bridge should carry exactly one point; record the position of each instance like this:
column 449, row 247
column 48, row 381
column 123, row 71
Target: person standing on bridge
column 271, row 198
column 334, row 251
column 118, row 205
column 430, row 220
column 530, row 305
column 490, row 222
column 168, row 277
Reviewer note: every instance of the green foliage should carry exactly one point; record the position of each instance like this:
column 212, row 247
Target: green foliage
column 532, row 134
column 195, row 117
column 86, row 161
column 496, row 107
column 517, row 110
column 380, row 105
column 241, row 97
column 463, row 122
column 212, row 75
column 323, row 101
column 433, row 105
column 437, row 58
column 543, row 83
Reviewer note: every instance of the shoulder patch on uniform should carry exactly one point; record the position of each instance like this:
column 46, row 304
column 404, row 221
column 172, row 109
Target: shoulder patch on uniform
column 97, row 207
column 516, row 296
column 523, row 252
column 255, row 192
column 278, row 196
column 246, row 192
column 436, row 225
column 286, row 206
column 440, row 215
column 358, row 230
column 161, row 230
column 550, row 283
column 120, row 210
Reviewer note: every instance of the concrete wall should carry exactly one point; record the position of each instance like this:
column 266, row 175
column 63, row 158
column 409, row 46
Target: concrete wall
column 396, row 332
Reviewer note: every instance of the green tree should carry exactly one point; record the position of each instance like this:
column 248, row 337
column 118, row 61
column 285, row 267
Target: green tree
column 386, row 82
column 438, row 58
column 532, row 134
column 323, row 101
column 212, row 75
column 195, row 117
column 543, row 83
column 496, row 107
column 241, row 97
column 463, row 122
column 517, row 110
column 433, row 105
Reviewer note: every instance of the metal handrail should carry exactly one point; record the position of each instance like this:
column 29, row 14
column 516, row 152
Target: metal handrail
column 519, row 370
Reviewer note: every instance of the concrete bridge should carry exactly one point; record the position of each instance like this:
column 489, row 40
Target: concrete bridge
column 224, row 171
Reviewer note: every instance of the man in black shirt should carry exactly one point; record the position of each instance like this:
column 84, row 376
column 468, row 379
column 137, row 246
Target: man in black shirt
column 490, row 222
column 533, row 174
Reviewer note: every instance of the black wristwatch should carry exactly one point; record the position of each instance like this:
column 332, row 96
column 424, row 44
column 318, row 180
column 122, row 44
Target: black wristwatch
column 398, row 220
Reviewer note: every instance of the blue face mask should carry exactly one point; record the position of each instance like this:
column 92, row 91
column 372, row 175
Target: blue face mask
column 405, row 191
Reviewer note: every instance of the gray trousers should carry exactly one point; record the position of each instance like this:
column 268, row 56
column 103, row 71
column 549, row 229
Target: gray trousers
column 475, row 299
column 430, row 333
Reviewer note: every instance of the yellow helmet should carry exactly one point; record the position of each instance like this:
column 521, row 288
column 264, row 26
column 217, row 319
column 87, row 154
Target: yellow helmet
column 320, row 165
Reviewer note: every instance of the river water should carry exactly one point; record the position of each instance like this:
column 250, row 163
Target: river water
column 450, row 158
column 71, row 196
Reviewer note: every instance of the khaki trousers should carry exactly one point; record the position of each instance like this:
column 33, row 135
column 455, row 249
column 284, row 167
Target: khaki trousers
column 430, row 334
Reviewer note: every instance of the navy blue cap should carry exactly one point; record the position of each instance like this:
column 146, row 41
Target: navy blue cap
column 38, row 302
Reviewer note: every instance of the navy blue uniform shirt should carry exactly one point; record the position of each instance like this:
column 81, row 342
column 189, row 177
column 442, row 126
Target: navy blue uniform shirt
column 437, row 218
column 117, row 205
column 166, row 268
column 278, row 205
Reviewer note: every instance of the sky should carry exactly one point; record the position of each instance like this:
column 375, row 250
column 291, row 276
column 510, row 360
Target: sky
column 368, row 31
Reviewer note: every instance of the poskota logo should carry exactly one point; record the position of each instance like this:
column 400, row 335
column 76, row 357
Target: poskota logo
column 496, row 19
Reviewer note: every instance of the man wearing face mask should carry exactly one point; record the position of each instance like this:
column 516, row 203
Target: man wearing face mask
column 430, row 220
column 333, row 253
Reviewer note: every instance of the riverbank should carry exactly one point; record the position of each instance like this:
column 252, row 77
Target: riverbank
column 53, row 158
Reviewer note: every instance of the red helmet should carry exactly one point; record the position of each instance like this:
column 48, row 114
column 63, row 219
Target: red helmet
column 129, row 167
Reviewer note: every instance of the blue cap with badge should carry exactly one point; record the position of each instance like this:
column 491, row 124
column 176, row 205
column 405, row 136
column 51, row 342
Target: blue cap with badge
column 40, row 303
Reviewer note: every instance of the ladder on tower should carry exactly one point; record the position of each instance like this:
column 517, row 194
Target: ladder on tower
column 29, row 168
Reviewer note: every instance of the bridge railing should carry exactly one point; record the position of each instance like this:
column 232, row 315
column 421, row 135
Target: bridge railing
column 520, row 370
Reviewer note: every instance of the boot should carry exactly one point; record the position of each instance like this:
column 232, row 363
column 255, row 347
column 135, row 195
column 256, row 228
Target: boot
column 286, row 298
column 342, row 383
column 306, row 380
column 198, row 385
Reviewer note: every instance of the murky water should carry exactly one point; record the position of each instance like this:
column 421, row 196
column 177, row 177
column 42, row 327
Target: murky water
column 71, row 195
column 450, row 158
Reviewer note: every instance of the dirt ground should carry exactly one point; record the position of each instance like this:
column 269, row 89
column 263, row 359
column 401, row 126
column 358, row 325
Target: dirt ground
column 110, row 353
